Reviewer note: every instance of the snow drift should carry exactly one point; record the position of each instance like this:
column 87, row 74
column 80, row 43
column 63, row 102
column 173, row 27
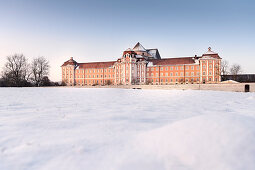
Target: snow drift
column 222, row 142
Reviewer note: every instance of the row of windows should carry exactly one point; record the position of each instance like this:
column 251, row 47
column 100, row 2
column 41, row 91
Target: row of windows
column 174, row 74
column 94, row 71
column 93, row 76
column 210, row 66
column 173, row 68
column 173, row 80
column 91, row 81
column 180, row 80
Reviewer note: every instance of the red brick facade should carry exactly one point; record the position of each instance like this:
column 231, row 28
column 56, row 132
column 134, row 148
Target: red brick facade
column 144, row 66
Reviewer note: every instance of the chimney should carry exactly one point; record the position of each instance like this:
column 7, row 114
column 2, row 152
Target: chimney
column 71, row 58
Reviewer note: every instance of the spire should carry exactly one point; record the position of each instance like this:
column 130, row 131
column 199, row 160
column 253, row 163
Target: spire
column 139, row 47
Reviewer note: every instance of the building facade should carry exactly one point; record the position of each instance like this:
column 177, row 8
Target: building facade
column 144, row 66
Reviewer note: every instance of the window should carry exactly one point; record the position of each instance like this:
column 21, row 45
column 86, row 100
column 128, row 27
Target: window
column 181, row 73
column 192, row 67
column 197, row 67
column 166, row 68
column 161, row 69
column 172, row 68
column 166, row 74
column 210, row 73
column 204, row 66
column 187, row 74
column 176, row 68
column 187, row 67
column 152, row 69
column 210, row 66
column 192, row 73
column 162, row 74
column 176, row 74
column 156, row 68
column 181, row 67
column 171, row 74
column 151, row 74
column 203, row 72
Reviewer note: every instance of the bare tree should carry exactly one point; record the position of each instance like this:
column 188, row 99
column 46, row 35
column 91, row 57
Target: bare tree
column 224, row 67
column 16, row 70
column 39, row 69
column 235, row 69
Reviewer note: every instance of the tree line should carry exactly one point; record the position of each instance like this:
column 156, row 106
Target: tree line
column 227, row 69
column 18, row 72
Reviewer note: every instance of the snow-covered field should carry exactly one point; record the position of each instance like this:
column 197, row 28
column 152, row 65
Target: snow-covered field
column 119, row 129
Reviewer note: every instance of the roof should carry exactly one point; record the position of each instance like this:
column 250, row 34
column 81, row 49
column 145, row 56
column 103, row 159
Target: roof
column 71, row 61
column 96, row 65
column 139, row 47
column 173, row 61
column 211, row 53
column 128, row 52
column 154, row 52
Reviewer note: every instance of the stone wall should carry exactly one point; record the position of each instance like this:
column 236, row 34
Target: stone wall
column 239, row 87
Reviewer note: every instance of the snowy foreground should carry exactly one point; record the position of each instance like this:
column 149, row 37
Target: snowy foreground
column 119, row 129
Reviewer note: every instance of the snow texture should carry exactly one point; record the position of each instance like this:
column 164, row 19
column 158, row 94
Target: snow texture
column 119, row 129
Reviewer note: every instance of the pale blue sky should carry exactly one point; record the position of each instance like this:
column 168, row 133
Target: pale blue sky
column 99, row 30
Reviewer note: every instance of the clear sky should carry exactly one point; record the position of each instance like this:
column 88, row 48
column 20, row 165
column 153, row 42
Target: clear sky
column 99, row 30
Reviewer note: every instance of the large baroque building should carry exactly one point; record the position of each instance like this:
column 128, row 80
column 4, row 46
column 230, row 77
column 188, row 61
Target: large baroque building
column 144, row 66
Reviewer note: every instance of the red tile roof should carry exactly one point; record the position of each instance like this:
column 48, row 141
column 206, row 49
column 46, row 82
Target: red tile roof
column 173, row 61
column 213, row 55
column 96, row 65
column 70, row 62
